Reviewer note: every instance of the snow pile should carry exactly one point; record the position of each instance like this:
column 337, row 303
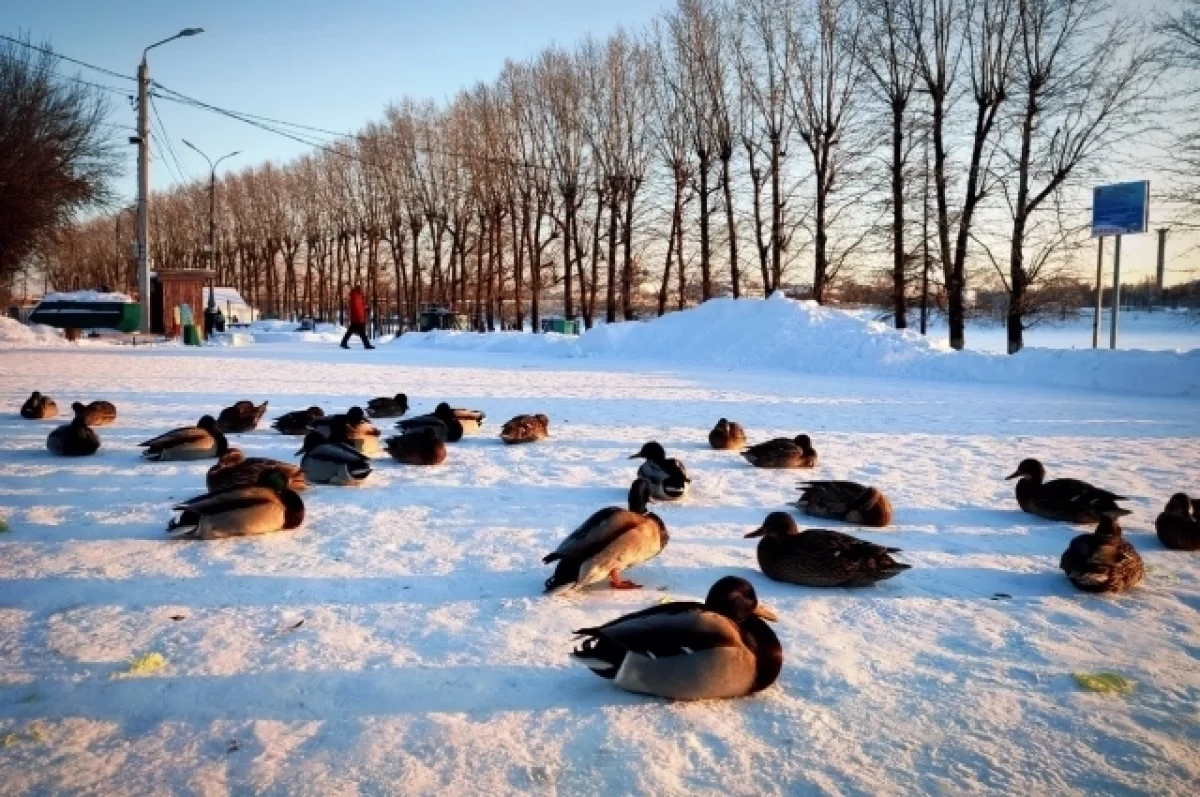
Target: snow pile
column 88, row 296
column 14, row 334
column 779, row 333
column 277, row 331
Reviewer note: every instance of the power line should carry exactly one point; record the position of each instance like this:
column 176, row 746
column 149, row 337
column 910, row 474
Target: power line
column 166, row 152
column 54, row 54
column 170, row 145
column 113, row 89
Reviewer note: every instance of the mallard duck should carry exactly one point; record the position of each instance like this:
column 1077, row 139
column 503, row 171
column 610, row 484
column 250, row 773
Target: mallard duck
column 386, row 407
column 687, row 650
column 75, row 439
column 38, row 407
column 336, row 463
column 423, row 447
column 240, row 512
column 783, row 453
column 471, row 420
column 1063, row 499
column 1102, row 561
column 98, row 413
column 820, row 557
column 727, row 436
column 202, row 441
column 844, row 500
column 668, row 478
column 298, row 422
column 241, row 417
column 444, row 423
column 234, row 469
column 608, row 542
column 358, row 432
column 526, row 429
column 1178, row 527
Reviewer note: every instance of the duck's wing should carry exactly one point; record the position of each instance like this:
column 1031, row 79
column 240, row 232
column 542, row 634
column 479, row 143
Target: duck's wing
column 653, row 472
column 594, row 534
column 675, row 469
column 841, row 545
column 180, row 436
column 672, row 629
column 1077, row 493
column 339, row 452
column 228, row 500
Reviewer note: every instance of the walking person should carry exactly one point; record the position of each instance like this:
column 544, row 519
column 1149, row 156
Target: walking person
column 358, row 318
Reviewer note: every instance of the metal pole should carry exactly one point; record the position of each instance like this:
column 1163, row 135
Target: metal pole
column 1116, row 296
column 143, row 220
column 212, row 239
column 1099, row 294
column 1162, row 258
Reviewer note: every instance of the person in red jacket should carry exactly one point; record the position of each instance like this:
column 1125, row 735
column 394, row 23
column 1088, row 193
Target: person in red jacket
column 358, row 318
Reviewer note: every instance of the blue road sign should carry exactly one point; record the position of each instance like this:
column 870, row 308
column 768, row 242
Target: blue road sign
column 1120, row 208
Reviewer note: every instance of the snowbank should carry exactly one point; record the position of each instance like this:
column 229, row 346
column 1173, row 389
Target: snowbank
column 276, row 331
column 14, row 334
column 806, row 337
column 88, row 296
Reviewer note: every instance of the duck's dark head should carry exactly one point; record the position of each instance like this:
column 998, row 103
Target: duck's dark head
column 544, row 420
column 273, row 478
column 652, row 451
column 777, row 524
column 639, row 496
column 311, row 441
column 1179, row 504
column 208, row 423
column 804, row 442
column 316, row 412
column 1028, row 469
column 723, row 424
column 736, row 599
column 401, row 399
column 78, row 407
column 35, row 395
column 356, row 415
column 1108, row 527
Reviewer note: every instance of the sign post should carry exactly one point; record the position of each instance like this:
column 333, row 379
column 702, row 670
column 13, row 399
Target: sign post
column 1117, row 209
column 1099, row 295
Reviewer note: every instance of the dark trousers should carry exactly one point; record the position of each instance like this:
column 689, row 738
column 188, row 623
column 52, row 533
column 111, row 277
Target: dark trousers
column 361, row 331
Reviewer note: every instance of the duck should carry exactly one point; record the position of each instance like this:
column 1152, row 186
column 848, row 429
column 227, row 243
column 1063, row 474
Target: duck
column 821, row 557
column 526, row 429
column 783, row 453
column 358, row 432
column 668, row 478
column 1103, row 561
column 38, row 407
column 607, row 543
column 727, row 436
column 241, row 417
column 297, row 422
column 386, row 407
column 686, row 650
column 202, row 441
column 471, row 420
column 267, row 506
column 421, row 447
column 234, row 469
column 337, row 463
column 1178, row 526
column 98, row 413
column 75, row 439
column 1071, row 500
column 845, row 500
column 442, row 420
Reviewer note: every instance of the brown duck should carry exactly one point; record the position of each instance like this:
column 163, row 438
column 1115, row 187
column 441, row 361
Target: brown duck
column 76, row 439
column 526, row 429
column 820, row 557
column 241, row 417
column 783, row 453
column 1178, row 526
column 388, row 406
column 38, row 407
column 98, row 413
column 297, row 422
column 847, row 501
column 727, row 436
column 1063, row 499
column 235, row 469
column 1102, row 561
column 422, row 447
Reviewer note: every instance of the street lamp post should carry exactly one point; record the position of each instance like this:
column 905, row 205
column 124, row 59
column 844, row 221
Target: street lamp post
column 212, row 223
column 143, row 204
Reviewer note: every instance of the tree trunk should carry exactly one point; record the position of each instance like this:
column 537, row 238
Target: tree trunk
column 735, row 276
column 1018, row 279
column 627, row 253
column 899, row 255
column 705, row 250
column 614, row 215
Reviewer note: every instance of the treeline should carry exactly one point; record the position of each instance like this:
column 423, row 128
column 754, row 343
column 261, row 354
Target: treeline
column 731, row 148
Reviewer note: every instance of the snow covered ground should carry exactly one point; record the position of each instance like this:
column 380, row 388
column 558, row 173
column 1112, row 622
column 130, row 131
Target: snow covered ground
column 399, row 641
column 1159, row 330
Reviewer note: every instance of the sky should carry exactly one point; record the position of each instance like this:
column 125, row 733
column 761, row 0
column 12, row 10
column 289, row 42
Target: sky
column 336, row 66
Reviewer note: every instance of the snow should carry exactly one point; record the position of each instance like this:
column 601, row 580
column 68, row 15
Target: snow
column 14, row 334
column 778, row 333
column 1164, row 330
column 399, row 642
column 88, row 296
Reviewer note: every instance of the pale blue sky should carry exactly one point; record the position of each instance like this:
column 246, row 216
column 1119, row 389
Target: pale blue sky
column 332, row 65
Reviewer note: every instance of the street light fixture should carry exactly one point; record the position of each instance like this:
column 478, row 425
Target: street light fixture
column 143, row 142
column 212, row 224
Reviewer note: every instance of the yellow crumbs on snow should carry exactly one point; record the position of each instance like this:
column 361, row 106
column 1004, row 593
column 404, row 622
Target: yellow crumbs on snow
column 145, row 665
column 1104, row 682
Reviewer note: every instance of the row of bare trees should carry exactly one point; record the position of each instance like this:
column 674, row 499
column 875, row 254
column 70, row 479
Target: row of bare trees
column 734, row 147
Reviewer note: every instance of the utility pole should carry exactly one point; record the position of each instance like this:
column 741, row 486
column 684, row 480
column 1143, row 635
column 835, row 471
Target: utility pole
column 212, row 229
column 1116, row 296
column 143, row 203
column 1099, row 294
column 1162, row 260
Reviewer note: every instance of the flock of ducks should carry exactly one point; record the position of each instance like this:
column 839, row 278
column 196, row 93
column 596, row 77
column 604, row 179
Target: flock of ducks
column 679, row 650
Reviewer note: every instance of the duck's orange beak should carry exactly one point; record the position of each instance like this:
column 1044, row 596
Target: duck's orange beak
column 765, row 613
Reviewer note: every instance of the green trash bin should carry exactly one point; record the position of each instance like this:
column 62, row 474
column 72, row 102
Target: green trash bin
column 191, row 335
